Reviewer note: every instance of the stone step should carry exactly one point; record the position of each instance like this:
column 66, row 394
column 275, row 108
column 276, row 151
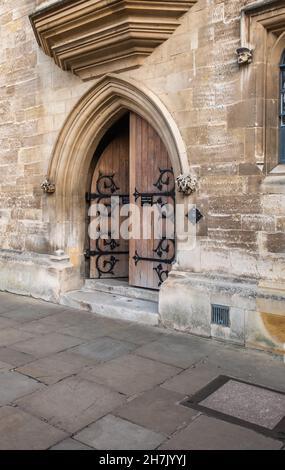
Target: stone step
column 120, row 287
column 113, row 306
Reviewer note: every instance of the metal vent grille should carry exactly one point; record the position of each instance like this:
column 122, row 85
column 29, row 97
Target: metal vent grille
column 221, row 315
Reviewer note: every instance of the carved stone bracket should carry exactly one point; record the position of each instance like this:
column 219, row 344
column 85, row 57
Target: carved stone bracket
column 244, row 55
column 186, row 184
column 94, row 37
column 47, row 186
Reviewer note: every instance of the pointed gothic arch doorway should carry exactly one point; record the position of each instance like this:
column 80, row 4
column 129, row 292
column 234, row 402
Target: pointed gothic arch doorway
column 69, row 169
column 132, row 164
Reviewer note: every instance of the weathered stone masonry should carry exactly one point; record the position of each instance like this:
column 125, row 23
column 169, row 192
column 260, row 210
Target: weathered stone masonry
column 227, row 118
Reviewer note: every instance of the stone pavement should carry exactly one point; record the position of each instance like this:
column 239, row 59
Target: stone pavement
column 70, row 380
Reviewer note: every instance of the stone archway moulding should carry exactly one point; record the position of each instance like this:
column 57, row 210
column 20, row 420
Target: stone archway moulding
column 96, row 111
column 94, row 114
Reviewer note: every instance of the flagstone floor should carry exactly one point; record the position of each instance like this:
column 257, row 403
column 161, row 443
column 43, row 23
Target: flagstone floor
column 70, row 380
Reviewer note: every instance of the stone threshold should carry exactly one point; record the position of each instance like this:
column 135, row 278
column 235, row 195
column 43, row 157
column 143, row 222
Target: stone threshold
column 115, row 299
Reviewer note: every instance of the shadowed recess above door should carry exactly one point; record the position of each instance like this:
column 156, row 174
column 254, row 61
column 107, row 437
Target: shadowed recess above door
column 93, row 37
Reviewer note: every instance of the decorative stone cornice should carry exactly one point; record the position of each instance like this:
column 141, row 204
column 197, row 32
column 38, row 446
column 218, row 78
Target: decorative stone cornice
column 95, row 37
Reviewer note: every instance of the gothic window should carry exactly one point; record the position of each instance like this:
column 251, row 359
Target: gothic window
column 282, row 111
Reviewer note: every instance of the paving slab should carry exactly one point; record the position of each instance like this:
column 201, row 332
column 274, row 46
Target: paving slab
column 92, row 328
column 66, row 318
column 27, row 313
column 7, row 323
column 252, row 366
column 76, row 360
column 4, row 308
column 15, row 358
column 138, row 334
column 21, row 301
column 103, row 349
column 159, row 410
column 4, row 366
column 72, row 403
column 130, row 374
column 114, row 433
column 9, row 336
column 248, row 402
column 8, row 302
column 17, row 300
column 36, row 327
column 175, row 350
column 14, row 385
column 70, row 444
column 21, row 431
column 191, row 380
column 206, row 433
column 48, row 306
column 49, row 370
column 44, row 345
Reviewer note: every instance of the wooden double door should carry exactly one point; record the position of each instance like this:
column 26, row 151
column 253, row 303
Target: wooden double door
column 133, row 165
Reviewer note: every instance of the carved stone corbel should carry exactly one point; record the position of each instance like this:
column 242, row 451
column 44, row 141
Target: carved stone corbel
column 244, row 55
column 186, row 184
column 47, row 186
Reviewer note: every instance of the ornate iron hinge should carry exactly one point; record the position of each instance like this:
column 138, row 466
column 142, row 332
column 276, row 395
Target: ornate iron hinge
column 106, row 188
column 105, row 266
column 162, row 274
column 92, row 253
column 161, row 248
column 149, row 198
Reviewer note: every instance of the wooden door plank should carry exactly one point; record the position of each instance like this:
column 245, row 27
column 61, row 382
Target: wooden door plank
column 114, row 160
column 147, row 156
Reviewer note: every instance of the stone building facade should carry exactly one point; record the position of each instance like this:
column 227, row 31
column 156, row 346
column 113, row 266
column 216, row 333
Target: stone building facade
column 218, row 119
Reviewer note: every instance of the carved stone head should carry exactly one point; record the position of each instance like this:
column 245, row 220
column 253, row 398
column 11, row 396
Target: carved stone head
column 245, row 55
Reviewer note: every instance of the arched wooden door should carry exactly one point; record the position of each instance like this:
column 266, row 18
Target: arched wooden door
column 136, row 167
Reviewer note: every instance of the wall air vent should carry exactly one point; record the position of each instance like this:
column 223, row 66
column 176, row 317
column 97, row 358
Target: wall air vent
column 220, row 315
